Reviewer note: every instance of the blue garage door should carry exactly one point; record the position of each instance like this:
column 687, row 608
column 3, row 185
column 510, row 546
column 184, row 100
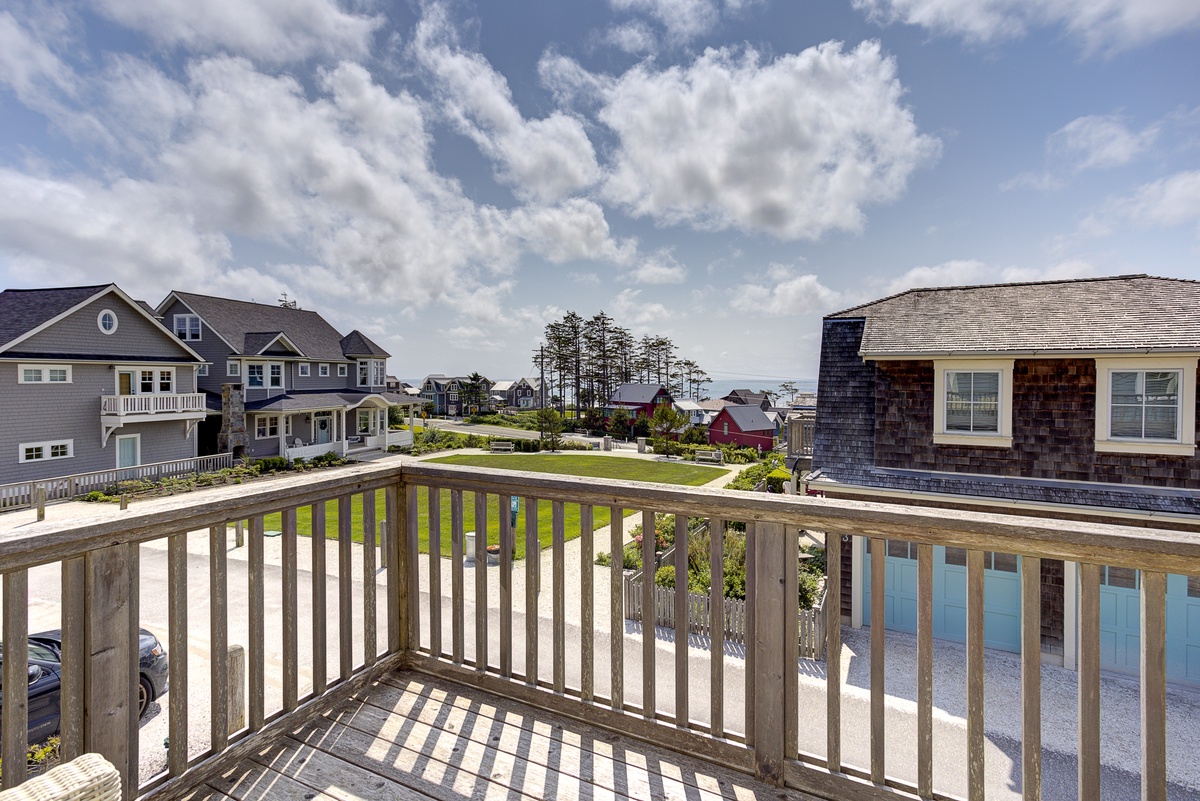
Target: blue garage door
column 1120, row 623
column 1001, row 594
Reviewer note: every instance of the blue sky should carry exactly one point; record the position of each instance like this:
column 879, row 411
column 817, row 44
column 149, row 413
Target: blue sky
column 449, row 176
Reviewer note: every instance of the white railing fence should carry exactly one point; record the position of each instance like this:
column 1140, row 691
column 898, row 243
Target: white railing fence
column 152, row 404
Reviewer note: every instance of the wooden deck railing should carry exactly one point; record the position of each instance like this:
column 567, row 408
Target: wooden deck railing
column 559, row 644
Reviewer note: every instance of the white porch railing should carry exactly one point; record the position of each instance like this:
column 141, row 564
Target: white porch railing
column 152, row 404
column 400, row 439
column 556, row 644
column 316, row 449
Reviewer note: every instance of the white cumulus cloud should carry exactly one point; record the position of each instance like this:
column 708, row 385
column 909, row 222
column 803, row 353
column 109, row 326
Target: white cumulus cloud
column 659, row 267
column 795, row 146
column 1088, row 143
column 783, row 292
column 273, row 31
column 958, row 272
column 1100, row 24
column 1165, row 203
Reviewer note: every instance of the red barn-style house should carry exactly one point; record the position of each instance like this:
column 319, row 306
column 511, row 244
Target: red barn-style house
column 638, row 399
column 743, row 425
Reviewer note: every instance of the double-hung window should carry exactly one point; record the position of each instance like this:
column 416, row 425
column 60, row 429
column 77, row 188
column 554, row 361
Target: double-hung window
column 276, row 375
column 1146, row 405
column 255, row 376
column 266, row 426
column 972, row 403
column 187, row 326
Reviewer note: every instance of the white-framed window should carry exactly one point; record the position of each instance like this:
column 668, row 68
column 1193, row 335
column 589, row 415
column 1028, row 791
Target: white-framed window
column 45, row 451
column 323, row 370
column 343, row 371
column 1146, row 405
column 145, row 382
column 256, row 375
column 233, row 369
column 303, row 369
column 166, row 381
column 266, row 426
column 973, row 402
column 44, row 374
column 107, row 321
column 364, row 421
column 364, row 372
column 454, row 396
column 275, row 375
column 187, row 326
column 202, row 370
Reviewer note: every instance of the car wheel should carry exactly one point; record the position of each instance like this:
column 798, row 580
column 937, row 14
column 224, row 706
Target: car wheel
column 145, row 696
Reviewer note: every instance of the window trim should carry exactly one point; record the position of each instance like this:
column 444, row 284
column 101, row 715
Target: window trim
column 202, row 370
column 266, row 417
column 322, row 371
column 1185, row 445
column 116, row 322
column 46, row 446
column 45, row 373
column 187, row 318
column 233, row 369
column 343, row 370
column 304, row 369
column 974, row 439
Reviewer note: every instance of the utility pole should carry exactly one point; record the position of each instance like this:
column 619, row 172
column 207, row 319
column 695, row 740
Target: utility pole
column 542, row 385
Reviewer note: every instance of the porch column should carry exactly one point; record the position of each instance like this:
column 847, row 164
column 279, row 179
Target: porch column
column 345, row 441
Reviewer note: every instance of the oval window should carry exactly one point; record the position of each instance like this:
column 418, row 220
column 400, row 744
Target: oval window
column 107, row 320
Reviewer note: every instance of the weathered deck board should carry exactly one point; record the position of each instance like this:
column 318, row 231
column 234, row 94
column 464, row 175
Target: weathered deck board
column 410, row 738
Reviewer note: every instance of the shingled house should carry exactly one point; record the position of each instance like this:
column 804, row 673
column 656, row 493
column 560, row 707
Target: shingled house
column 1058, row 399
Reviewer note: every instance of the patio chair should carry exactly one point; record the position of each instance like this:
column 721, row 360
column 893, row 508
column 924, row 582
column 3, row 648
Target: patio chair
column 89, row 777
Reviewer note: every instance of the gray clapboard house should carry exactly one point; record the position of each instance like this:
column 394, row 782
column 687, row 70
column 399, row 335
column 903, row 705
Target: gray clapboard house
column 90, row 380
column 283, row 381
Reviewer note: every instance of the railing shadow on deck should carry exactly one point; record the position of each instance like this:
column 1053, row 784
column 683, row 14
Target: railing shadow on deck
column 519, row 641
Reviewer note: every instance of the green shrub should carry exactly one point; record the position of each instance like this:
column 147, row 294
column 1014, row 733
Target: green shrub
column 271, row 464
column 816, row 565
column 809, row 584
column 665, row 576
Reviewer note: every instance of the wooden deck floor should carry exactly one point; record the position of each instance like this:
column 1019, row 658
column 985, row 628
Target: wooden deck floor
column 411, row 738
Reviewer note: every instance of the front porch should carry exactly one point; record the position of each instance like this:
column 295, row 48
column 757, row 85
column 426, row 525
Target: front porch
column 386, row 659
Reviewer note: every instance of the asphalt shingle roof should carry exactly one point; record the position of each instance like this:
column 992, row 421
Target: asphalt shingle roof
column 749, row 418
column 235, row 319
column 356, row 343
column 22, row 310
column 1124, row 313
column 635, row 393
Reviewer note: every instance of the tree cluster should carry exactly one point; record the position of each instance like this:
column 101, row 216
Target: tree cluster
column 583, row 361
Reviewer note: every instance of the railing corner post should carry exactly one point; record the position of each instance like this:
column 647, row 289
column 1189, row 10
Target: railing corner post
column 770, row 651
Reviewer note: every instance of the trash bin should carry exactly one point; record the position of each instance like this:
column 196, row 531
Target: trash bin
column 469, row 548
column 606, row 444
column 641, row 444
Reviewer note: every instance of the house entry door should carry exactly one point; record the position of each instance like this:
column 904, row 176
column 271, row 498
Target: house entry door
column 324, row 425
column 127, row 451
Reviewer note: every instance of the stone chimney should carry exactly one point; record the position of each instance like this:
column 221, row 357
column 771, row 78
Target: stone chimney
column 232, row 437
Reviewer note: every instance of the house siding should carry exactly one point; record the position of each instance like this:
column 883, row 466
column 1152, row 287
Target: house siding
column 45, row 412
column 210, row 346
column 78, row 334
column 844, row 441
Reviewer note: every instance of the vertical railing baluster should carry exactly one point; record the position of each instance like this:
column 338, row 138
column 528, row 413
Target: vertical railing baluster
column 878, row 649
column 1154, row 686
column 716, row 634
column 74, row 611
column 218, row 637
column 1031, row 678
column 291, row 603
column 255, row 649
column 649, row 614
column 791, row 641
column 320, row 670
column 616, row 586
column 749, row 630
column 506, row 600
column 833, row 652
column 177, row 615
column 1089, row 682
column 457, row 602
column 399, row 584
column 924, row 670
column 132, row 651
column 345, row 586
column 404, row 565
column 975, row 733
column 434, row 498
column 533, row 557
column 772, row 607
column 587, row 553
column 481, row 581
column 14, row 717
column 370, row 609
column 559, row 596
column 681, row 620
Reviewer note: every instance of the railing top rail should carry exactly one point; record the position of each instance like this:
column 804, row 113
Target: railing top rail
column 1077, row 540
column 53, row 540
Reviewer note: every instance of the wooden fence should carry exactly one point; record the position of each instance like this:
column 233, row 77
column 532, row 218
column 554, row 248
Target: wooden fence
column 699, row 616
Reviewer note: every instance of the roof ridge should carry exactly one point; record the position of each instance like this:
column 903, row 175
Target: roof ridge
column 964, row 287
column 181, row 293
column 60, row 288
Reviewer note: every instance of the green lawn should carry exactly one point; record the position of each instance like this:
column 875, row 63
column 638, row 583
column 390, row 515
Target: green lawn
column 682, row 473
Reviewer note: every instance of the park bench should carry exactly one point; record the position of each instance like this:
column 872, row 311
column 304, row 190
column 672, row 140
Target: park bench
column 710, row 457
column 502, row 447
